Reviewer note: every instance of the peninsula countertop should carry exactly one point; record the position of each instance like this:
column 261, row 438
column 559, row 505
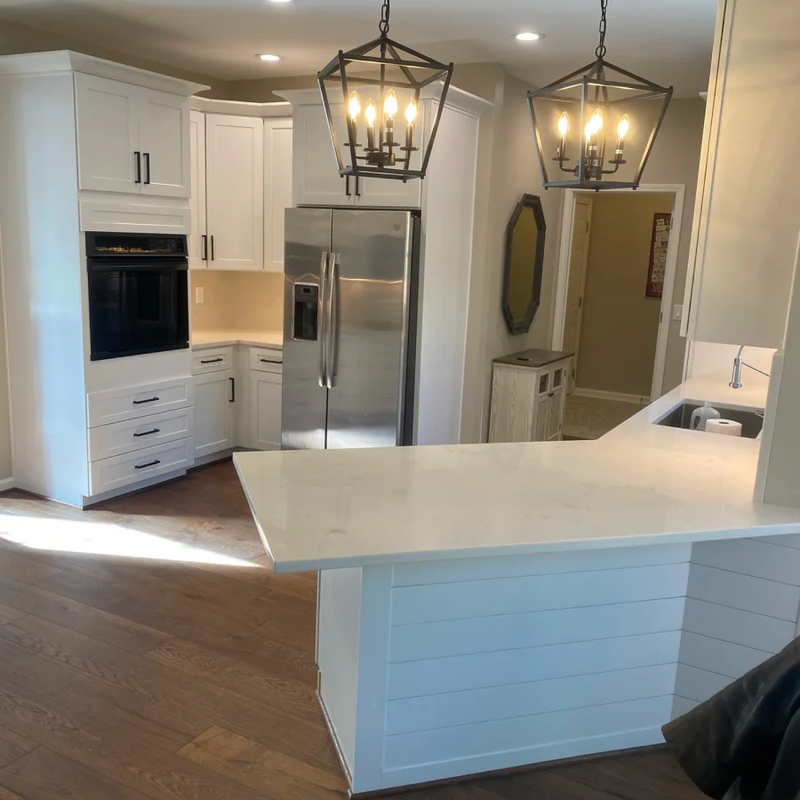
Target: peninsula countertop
column 640, row 484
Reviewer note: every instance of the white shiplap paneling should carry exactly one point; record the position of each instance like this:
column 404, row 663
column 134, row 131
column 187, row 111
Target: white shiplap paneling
column 751, row 557
column 699, row 684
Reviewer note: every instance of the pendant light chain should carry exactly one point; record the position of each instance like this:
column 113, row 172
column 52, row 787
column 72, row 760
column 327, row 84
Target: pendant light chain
column 600, row 51
column 383, row 27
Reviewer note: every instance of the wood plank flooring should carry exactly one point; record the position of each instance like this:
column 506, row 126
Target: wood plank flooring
column 146, row 651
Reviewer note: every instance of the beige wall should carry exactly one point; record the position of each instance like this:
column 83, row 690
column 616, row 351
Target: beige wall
column 261, row 91
column 237, row 301
column 5, row 419
column 620, row 323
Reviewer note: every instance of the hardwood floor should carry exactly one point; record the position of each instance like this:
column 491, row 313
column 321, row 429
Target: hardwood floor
column 127, row 673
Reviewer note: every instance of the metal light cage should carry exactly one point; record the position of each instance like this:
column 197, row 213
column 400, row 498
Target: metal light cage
column 617, row 93
column 379, row 66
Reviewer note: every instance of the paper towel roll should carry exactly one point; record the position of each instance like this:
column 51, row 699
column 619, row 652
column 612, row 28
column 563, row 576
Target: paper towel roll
column 724, row 427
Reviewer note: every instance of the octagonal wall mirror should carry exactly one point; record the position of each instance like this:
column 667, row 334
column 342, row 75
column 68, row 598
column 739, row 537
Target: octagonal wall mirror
column 524, row 264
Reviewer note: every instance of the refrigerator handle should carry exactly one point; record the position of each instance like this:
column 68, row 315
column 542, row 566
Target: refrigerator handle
column 332, row 323
column 322, row 330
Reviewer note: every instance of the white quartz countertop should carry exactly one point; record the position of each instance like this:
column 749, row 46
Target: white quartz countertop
column 231, row 337
column 640, row 484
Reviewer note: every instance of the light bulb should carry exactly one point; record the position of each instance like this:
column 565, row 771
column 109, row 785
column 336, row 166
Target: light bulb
column 390, row 105
column 623, row 127
column 411, row 112
column 563, row 125
column 371, row 113
column 596, row 122
column 354, row 106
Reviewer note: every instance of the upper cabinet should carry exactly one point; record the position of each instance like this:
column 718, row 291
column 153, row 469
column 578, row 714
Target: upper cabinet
column 131, row 139
column 745, row 239
column 277, row 188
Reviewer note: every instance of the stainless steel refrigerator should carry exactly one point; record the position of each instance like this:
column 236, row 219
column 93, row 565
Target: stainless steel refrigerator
column 349, row 328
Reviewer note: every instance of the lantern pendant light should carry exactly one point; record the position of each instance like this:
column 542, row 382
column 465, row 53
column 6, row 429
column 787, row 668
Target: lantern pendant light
column 572, row 117
column 379, row 82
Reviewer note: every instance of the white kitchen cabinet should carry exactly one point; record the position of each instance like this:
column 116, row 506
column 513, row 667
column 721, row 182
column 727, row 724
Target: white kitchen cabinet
column 528, row 396
column 214, row 401
column 746, row 223
column 131, row 139
column 198, row 239
column 265, row 409
column 277, row 189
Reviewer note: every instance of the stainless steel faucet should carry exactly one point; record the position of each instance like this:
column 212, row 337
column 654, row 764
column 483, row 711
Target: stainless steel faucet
column 738, row 363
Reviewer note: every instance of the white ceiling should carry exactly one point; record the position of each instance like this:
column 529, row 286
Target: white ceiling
column 668, row 41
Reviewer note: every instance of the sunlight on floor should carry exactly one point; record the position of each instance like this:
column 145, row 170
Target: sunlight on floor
column 103, row 539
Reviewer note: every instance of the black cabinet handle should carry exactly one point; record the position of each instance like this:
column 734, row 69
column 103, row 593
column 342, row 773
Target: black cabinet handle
column 147, row 433
column 267, row 361
column 347, row 185
column 213, row 361
column 213, row 252
column 137, row 154
column 358, row 186
column 142, row 402
column 233, row 389
column 204, row 247
column 147, row 168
column 145, row 466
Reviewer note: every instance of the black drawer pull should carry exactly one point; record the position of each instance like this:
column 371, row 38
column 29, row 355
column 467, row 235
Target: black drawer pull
column 213, row 361
column 147, row 433
column 145, row 466
column 267, row 361
column 142, row 402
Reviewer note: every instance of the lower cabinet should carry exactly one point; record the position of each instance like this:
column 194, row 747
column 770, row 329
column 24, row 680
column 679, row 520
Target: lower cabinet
column 265, row 410
column 214, row 398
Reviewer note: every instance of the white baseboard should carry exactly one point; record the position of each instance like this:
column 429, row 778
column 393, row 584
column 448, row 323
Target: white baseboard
column 6, row 484
column 599, row 394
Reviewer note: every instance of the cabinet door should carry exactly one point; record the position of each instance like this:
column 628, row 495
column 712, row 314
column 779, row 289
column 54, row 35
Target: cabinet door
column 108, row 135
column 213, row 416
column 316, row 173
column 197, row 203
column 277, row 189
column 164, row 142
column 265, row 410
column 555, row 415
column 541, row 421
column 235, row 192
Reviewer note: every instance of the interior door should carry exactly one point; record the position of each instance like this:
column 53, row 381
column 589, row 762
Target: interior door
column 367, row 355
column 578, row 260
column 235, row 192
column 197, row 204
column 305, row 401
column 164, row 141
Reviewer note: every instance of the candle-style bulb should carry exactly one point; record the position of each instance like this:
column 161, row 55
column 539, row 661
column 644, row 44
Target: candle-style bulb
column 354, row 106
column 390, row 105
column 623, row 127
column 411, row 112
column 371, row 113
column 563, row 125
column 595, row 124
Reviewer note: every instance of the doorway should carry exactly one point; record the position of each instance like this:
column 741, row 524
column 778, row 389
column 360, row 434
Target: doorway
column 614, row 300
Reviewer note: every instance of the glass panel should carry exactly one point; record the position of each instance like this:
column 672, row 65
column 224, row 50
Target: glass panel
column 544, row 384
column 558, row 378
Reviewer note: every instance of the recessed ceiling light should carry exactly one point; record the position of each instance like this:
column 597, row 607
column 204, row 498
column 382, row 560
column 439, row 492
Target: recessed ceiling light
column 529, row 36
column 269, row 56
column 281, row 1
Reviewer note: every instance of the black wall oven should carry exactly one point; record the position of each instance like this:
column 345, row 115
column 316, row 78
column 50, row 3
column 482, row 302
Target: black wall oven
column 138, row 293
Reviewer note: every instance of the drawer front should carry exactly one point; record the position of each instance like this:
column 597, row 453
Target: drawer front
column 114, row 473
column 265, row 360
column 133, row 402
column 139, row 434
column 215, row 360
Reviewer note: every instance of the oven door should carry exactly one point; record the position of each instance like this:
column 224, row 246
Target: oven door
column 137, row 307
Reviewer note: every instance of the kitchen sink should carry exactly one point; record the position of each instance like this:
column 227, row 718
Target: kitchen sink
column 681, row 417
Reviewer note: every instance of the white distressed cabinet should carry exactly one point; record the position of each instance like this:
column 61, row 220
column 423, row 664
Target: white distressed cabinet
column 746, row 218
column 529, row 396
column 131, row 139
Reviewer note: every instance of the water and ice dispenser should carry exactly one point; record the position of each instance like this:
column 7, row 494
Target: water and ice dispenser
column 306, row 312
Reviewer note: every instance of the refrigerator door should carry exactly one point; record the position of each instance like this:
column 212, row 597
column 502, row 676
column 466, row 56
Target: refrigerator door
column 305, row 397
column 368, row 308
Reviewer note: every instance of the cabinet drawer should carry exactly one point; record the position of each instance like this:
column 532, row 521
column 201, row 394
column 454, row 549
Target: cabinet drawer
column 265, row 360
column 139, row 434
column 113, row 473
column 216, row 360
column 133, row 402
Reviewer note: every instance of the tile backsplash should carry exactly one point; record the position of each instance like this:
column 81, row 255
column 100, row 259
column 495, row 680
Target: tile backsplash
column 244, row 301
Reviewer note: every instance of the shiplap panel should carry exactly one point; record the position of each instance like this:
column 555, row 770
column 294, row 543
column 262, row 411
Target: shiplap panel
column 414, row 604
column 501, row 702
column 737, row 626
column 474, row 569
column 751, row 557
column 440, row 675
column 682, row 705
column 486, row 634
column 724, row 658
column 692, row 683
column 742, row 591
column 525, row 732
column 787, row 540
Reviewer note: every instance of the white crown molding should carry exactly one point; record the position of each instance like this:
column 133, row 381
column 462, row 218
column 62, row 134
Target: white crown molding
column 60, row 61
column 241, row 109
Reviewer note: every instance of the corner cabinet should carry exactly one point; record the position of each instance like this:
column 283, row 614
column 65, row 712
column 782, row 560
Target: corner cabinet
column 745, row 238
column 131, row 139
column 529, row 396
